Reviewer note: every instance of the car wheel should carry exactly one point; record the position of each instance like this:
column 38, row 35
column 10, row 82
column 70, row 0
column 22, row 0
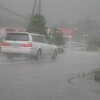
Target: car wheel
column 38, row 55
column 54, row 55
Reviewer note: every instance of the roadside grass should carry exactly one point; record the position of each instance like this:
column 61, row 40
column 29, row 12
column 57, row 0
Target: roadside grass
column 88, row 49
column 93, row 49
column 96, row 73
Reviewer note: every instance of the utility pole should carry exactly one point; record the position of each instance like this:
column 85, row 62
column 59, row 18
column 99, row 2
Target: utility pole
column 34, row 6
column 39, row 6
column 33, row 10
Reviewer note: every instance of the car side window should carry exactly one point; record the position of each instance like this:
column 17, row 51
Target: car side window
column 40, row 39
column 37, row 38
column 34, row 38
column 46, row 41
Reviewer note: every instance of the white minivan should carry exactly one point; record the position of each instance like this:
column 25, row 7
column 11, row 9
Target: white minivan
column 29, row 44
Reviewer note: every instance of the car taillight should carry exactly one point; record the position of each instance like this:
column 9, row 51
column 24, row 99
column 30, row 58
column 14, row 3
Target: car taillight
column 5, row 44
column 27, row 45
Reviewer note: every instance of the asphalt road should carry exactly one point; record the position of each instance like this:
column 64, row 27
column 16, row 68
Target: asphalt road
column 24, row 79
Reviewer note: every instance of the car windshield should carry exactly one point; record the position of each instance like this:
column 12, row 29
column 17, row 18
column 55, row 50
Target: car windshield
column 17, row 37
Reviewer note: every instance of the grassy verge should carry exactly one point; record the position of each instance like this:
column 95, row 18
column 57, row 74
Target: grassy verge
column 96, row 73
column 93, row 49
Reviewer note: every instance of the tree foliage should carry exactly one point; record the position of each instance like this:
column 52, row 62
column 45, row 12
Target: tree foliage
column 37, row 24
column 56, row 37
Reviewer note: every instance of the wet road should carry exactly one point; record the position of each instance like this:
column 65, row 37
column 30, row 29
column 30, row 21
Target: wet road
column 24, row 79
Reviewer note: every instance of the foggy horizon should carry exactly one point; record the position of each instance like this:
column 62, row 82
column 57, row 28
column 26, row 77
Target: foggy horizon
column 55, row 11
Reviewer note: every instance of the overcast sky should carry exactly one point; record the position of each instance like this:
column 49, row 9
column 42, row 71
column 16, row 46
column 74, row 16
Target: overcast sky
column 57, row 11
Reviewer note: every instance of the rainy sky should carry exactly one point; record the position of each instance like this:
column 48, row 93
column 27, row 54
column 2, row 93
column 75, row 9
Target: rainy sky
column 57, row 11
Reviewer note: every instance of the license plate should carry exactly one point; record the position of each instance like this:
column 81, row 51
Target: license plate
column 15, row 45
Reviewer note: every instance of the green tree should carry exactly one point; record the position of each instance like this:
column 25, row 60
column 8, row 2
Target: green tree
column 37, row 24
column 56, row 37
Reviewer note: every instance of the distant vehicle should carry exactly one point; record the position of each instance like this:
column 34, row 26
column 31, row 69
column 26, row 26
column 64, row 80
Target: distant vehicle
column 29, row 44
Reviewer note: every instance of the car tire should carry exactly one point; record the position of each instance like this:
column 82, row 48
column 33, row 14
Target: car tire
column 54, row 55
column 38, row 55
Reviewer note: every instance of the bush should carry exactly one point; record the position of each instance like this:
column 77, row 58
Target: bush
column 57, row 37
column 97, row 74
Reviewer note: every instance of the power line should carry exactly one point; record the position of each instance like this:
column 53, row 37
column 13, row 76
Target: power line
column 10, row 11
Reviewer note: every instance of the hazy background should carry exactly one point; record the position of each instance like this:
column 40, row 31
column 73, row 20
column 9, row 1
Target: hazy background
column 55, row 11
